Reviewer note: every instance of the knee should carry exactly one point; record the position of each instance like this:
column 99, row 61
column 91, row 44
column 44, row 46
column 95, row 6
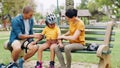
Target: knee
column 34, row 47
column 16, row 45
column 52, row 47
column 41, row 48
column 56, row 48
column 16, row 48
column 67, row 48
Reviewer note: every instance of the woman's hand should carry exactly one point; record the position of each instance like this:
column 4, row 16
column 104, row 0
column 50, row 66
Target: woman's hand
column 61, row 37
column 60, row 45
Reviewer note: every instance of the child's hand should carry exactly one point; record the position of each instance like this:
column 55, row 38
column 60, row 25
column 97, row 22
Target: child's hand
column 41, row 36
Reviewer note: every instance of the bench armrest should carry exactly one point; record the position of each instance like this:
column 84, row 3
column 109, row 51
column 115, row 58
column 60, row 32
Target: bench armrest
column 101, row 49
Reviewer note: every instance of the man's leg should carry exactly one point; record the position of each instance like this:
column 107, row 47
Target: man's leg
column 16, row 45
column 68, row 48
column 15, row 49
column 60, row 56
column 32, row 49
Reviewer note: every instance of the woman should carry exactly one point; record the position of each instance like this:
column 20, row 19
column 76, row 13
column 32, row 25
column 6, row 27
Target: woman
column 75, row 35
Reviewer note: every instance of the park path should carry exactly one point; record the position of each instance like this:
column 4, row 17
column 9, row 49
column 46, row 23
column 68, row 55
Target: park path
column 31, row 64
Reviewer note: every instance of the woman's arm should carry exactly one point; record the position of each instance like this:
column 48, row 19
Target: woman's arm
column 73, row 37
column 67, row 33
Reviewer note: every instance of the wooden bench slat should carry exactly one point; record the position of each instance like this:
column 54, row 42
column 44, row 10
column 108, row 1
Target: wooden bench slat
column 91, row 52
column 66, row 27
column 97, row 32
column 94, row 27
column 86, row 32
column 39, row 26
column 85, row 51
column 97, row 39
column 64, row 31
column 37, row 31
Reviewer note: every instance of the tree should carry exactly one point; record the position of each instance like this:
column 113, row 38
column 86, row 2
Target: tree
column 111, row 5
column 14, row 7
column 92, row 6
column 116, row 3
column 38, row 16
column 83, row 4
column 69, row 4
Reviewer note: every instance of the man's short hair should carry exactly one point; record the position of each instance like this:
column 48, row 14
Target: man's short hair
column 27, row 9
column 71, row 13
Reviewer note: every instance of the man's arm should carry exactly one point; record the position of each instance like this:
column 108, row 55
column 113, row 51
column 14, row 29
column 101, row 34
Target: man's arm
column 40, row 38
column 22, row 36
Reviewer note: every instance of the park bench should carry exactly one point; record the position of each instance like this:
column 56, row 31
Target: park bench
column 100, row 34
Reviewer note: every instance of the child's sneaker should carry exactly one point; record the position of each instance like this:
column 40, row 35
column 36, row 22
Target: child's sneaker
column 51, row 64
column 38, row 64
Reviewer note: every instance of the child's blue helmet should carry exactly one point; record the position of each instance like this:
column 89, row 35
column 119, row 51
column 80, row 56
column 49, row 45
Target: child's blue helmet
column 50, row 19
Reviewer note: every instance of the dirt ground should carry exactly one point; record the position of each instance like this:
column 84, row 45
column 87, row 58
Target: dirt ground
column 31, row 64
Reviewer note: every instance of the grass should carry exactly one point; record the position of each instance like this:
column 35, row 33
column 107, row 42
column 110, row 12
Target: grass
column 76, row 57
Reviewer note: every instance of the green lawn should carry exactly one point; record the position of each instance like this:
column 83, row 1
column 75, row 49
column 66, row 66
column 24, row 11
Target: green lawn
column 90, row 58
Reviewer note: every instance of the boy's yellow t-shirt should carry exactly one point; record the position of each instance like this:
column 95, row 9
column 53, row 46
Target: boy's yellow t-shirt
column 77, row 26
column 51, row 33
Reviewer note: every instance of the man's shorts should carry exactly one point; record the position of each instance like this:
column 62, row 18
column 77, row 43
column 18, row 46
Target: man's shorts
column 24, row 44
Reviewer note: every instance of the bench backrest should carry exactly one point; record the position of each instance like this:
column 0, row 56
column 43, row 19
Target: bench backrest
column 101, row 34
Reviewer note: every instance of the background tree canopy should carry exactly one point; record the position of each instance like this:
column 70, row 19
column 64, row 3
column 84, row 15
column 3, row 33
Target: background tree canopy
column 101, row 9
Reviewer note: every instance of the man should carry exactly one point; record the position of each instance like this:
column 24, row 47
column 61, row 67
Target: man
column 22, row 37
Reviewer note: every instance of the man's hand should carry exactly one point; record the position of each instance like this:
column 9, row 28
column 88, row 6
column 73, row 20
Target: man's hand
column 33, row 43
column 38, row 36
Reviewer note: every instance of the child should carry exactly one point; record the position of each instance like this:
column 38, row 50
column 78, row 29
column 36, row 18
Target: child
column 51, row 32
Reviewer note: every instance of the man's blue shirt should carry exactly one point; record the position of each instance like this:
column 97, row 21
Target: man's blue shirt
column 18, row 28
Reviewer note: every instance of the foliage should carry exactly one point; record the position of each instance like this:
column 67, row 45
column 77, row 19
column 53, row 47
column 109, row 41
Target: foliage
column 101, row 8
column 113, row 6
column 83, row 4
column 116, row 3
column 38, row 16
column 118, row 15
column 104, row 2
column 14, row 7
column 92, row 6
